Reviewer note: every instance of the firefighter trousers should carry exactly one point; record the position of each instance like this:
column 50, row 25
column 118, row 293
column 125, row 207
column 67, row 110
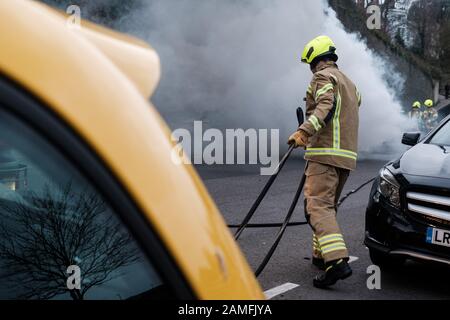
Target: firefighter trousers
column 323, row 187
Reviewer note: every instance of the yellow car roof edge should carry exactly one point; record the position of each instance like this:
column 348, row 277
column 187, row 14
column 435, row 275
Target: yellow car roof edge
column 134, row 57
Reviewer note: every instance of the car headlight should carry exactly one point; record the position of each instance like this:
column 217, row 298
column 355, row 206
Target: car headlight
column 389, row 187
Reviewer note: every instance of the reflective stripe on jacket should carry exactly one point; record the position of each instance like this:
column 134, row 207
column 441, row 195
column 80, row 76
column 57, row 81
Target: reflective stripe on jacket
column 430, row 114
column 332, row 111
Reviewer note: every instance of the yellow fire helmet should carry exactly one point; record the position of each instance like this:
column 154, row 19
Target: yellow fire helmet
column 318, row 47
column 429, row 103
column 417, row 104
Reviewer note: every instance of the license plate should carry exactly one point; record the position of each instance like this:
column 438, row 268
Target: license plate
column 439, row 237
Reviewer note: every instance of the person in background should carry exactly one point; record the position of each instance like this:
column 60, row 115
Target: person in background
column 430, row 115
column 416, row 114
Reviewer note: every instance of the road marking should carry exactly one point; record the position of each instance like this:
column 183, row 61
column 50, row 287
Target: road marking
column 272, row 293
column 280, row 290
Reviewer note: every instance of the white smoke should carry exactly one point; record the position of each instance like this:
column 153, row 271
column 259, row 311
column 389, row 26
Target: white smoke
column 235, row 64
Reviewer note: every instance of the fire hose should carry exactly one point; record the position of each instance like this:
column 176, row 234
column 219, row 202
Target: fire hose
column 286, row 223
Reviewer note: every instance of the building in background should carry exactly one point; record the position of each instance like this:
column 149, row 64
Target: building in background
column 13, row 175
column 396, row 24
column 399, row 26
column 366, row 3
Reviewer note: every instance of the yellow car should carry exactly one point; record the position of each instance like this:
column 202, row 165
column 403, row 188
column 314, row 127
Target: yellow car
column 93, row 204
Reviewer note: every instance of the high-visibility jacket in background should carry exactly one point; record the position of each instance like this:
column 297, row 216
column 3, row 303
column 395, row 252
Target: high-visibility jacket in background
column 430, row 114
column 332, row 109
column 415, row 114
column 430, row 117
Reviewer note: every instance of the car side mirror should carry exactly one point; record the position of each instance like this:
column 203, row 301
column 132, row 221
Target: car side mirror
column 411, row 138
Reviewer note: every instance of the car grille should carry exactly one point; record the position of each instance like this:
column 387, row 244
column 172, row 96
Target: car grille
column 429, row 208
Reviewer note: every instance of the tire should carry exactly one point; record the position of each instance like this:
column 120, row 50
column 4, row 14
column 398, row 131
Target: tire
column 384, row 260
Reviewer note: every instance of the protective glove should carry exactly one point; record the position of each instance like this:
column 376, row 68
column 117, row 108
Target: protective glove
column 299, row 139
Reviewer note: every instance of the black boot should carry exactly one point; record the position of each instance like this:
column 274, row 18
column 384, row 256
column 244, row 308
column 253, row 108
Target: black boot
column 336, row 270
column 319, row 263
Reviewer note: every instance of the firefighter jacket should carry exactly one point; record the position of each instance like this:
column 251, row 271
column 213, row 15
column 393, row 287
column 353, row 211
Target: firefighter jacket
column 415, row 114
column 332, row 109
column 430, row 114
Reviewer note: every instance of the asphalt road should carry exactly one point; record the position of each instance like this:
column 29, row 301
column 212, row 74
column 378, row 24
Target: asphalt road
column 234, row 189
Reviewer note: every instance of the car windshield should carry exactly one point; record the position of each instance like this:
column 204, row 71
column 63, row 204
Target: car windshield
column 442, row 137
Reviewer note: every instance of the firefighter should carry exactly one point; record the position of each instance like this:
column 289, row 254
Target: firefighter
column 430, row 115
column 330, row 138
column 416, row 113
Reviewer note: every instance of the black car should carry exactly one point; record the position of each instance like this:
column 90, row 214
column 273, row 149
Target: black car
column 408, row 215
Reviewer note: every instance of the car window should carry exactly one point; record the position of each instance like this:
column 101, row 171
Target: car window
column 59, row 238
column 442, row 137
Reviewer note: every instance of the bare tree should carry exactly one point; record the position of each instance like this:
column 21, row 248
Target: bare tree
column 427, row 17
column 445, row 51
column 41, row 237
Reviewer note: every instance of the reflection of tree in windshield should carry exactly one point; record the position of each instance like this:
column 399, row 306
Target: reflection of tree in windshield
column 41, row 237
